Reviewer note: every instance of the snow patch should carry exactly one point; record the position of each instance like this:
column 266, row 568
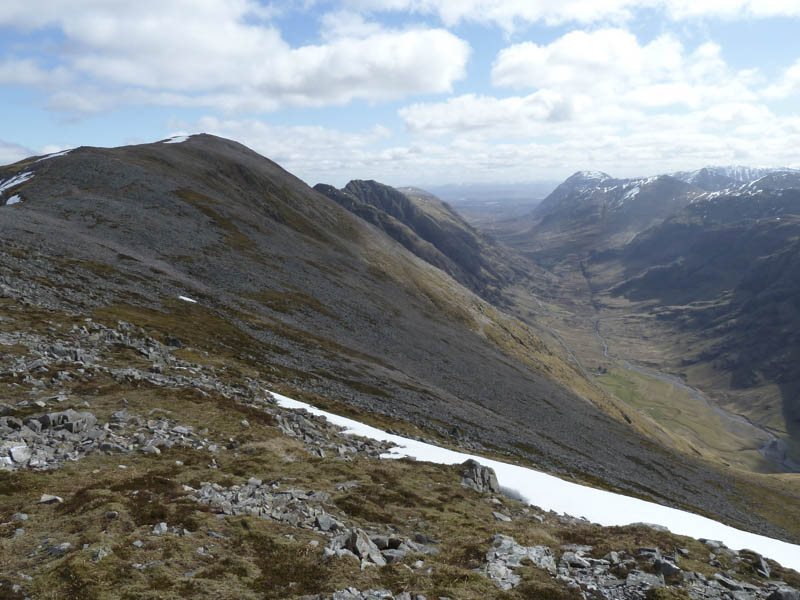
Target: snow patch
column 15, row 199
column 594, row 175
column 551, row 493
column 16, row 180
column 187, row 299
column 54, row 155
column 631, row 193
column 177, row 139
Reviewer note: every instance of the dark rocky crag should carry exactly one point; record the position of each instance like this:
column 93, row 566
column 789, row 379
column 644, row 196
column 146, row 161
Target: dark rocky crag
column 432, row 230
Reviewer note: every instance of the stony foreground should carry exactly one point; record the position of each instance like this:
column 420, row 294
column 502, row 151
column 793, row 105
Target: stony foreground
column 135, row 467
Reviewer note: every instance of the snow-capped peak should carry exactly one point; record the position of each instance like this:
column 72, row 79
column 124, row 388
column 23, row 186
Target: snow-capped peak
column 591, row 176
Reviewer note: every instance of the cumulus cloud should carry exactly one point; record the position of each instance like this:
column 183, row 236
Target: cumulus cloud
column 11, row 153
column 509, row 13
column 789, row 84
column 500, row 116
column 312, row 153
column 605, row 79
column 605, row 100
column 612, row 62
column 225, row 54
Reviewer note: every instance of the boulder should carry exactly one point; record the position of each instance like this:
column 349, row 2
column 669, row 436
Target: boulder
column 160, row 529
column 324, row 522
column 666, row 568
column 575, row 561
column 358, row 543
column 479, row 478
column 785, row 593
column 640, row 579
column 18, row 452
column 762, row 567
column 729, row 583
column 394, row 556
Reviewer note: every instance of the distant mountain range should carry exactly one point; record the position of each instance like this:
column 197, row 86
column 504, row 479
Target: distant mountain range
column 713, row 179
column 712, row 254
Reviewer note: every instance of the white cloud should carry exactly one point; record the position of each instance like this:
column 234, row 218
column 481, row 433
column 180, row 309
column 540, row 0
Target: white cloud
column 500, row 116
column 223, row 54
column 509, row 13
column 604, row 82
column 11, row 153
column 612, row 63
column 732, row 9
column 789, row 85
column 25, row 71
column 603, row 100
column 312, row 153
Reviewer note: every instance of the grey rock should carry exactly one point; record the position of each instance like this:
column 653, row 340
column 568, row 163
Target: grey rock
column 393, row 556
column 19, row 517
column 642, row 580
column 324, row 522
column 666, row 568
column 785, row 593
column 20, row 454
column 100, row 554
column 573, row 560
column 762, row 567
column 359, row 543
column 421, row 538
column 727, row 582
column 479, row 478
column 501, row 517
column 160, row 529
column 505, row 555
column 59, row 550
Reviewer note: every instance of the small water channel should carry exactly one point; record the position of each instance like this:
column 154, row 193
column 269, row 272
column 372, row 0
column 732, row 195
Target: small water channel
column 769, row 443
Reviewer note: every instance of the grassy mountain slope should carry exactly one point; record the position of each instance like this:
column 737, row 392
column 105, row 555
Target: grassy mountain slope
column 294, row 290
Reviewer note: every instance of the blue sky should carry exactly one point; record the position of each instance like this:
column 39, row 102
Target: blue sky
column 412, row 91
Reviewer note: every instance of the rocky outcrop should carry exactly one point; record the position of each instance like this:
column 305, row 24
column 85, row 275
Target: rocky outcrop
column 620, row 575
column 354, row 594
column 505, row 556
column 295, row 507
column 46, row 441
column 479, row 478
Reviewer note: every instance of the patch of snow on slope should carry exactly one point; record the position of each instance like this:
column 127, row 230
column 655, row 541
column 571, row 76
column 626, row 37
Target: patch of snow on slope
column 54, row 155
column 551, row 493
column 631, row 193
column 15, row 199
column 177, row 139
column 16, row 180
column 594, row 175
column 187, row 299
